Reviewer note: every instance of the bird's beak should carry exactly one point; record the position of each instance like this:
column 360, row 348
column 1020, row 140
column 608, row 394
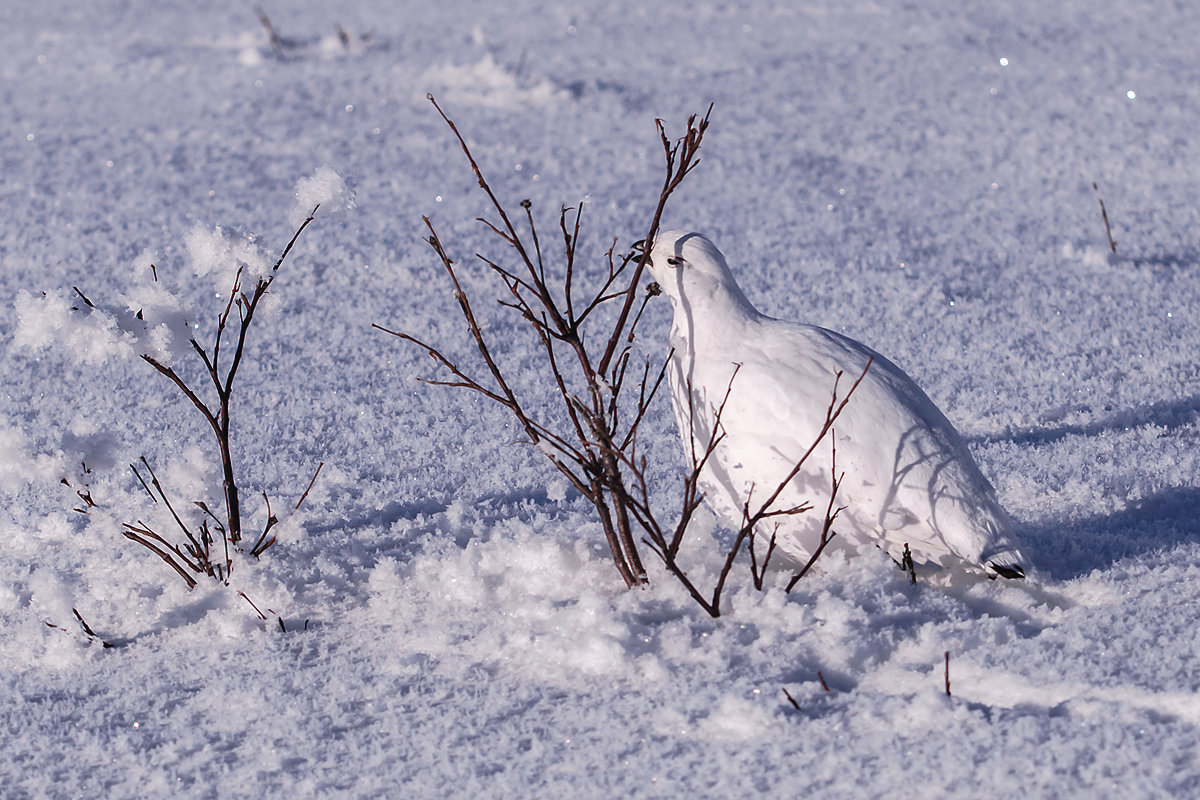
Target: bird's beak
column 639, row 248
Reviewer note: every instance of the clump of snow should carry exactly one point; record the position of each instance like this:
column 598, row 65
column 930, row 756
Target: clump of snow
column 551, row 618
column 216, row 252
column 49, row 595
column 737, row 720
column 166, row 322
column 89, row 334
column 324, row 188
column 250, row 56
column 18, row 465
column 149, row 320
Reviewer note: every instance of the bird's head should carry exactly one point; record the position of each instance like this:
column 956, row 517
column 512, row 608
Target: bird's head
column 687, row 265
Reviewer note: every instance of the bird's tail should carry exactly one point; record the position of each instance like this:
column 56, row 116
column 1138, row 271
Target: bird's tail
column 1005, row 563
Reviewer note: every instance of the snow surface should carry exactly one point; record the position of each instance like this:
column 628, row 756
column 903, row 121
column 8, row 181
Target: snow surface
column 917, row 176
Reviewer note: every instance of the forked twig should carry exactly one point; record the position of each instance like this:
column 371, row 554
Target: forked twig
column 263, row 544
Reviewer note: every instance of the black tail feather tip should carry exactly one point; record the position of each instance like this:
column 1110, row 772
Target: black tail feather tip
column 1009, row 571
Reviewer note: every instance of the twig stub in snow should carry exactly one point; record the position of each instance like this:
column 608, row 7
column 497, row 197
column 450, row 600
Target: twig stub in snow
column 907, row 564
column 1112, row 244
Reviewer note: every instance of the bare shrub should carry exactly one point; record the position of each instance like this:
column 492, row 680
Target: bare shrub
column 193, row 549
column 586, row 356
column 196, row 554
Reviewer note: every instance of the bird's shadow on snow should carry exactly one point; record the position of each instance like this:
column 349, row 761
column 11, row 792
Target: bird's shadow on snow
column 1073, row 548
column 1065, row 549
column 1167, row 414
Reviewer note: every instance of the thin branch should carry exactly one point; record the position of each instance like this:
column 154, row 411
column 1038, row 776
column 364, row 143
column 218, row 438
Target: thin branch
column 308, row 488
column 831, row 514
column 88, row 628
column 133, row 535
column 199, row 551
column 137, row 475
column 686, row 149
column 261, row 615
column 825, row 540
column 831, row 415
column 183, row 387
column 464, row 381
column 513, row 238
column 83, row 297
column 265, row 21
column 311, row 216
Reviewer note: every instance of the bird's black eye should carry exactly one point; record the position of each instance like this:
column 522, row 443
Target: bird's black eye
column 675, row 262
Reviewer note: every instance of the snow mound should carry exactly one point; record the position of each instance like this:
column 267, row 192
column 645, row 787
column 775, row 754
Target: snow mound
column 488, row 84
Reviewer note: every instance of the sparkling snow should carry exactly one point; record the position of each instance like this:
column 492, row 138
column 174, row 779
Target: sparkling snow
column 453, row 626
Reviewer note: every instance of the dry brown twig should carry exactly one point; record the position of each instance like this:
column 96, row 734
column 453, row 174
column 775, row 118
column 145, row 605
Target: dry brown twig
column 87, row 630
column 272, row 34
column 594, row 444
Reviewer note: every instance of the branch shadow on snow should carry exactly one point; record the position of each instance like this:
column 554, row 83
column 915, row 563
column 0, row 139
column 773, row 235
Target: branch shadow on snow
column 433, row 517
column 1157, row 523
column 1166, row 414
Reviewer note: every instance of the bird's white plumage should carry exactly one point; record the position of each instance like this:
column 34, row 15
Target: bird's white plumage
column 909, row 478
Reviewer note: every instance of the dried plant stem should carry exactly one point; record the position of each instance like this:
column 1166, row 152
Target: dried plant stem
column 1112, row 244
column 219, row 419
column 265, row 21
column 907, row 564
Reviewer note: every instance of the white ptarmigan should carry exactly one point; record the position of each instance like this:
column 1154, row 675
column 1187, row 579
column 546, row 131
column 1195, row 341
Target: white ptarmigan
column 909, row 478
